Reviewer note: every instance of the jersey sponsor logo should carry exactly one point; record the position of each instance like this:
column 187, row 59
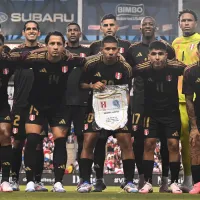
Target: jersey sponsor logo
column 5, row 71
column 146, row 131
column 62, row 121
column 32, row 117
column 175, row 134
column 198, row 80
column 7, row 118
column 15, row 130
column 169, row 78
column 118, row 75
column 98, row 74
column 82, row 55
column 64, row 69
column 103, row 104
column 139, row 54
column 121, row 50
column 43, row 70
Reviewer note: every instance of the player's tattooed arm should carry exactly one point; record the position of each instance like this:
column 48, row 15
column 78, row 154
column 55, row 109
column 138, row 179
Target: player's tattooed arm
column 194, row 133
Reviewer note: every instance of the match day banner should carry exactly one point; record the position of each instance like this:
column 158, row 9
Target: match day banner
column 110, row 179
column 129, row 14
column 50, row 14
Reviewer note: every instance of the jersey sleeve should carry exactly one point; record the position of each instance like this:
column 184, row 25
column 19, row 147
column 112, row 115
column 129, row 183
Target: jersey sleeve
column 177, row 67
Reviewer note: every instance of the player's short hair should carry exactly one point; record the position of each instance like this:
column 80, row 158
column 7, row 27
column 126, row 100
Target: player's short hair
column 54, row 33
column 109, row 39
column 108, row 16
column 187, row 11
column 2, row 38
column 31, row 21
column 198, row 46
column 74, row 23
column 158, row 45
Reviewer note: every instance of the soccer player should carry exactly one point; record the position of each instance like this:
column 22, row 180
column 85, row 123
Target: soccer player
column 108, row 26
column 138, row 53
column 106, row 69
column 51, row 70
column 23, row 81
column 76, row 98
column 190, row 86
column 161, row 109
column 5, row 124
column 186, row 48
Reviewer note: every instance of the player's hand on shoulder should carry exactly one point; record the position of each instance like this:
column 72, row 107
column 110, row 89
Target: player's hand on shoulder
column 39, row 50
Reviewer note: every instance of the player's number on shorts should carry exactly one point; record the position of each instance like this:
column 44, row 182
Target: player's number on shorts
column 33, row 109
column 53, row 79
column 159, row 87
column 136, row 118
column 90, row 117
column 146, row 122
column 17, row 119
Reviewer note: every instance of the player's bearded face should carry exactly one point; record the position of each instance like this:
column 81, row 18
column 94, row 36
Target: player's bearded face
column 109, row 27
column 31, row 32
column 110, row 51
column 157, row 58
column 55, row 46
column 148, row 27
column 187, row 23
column 73, row 33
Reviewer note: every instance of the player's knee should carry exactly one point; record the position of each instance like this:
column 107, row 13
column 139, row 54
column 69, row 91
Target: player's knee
column 149, row 145
column 173, row 146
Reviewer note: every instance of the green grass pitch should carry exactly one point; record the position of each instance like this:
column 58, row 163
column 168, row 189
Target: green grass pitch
column 111, row 193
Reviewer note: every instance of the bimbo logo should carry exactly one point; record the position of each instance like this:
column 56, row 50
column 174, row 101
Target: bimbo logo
column 129, row 9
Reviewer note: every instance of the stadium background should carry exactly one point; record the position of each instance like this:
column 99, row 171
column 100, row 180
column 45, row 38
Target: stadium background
column 54, row 15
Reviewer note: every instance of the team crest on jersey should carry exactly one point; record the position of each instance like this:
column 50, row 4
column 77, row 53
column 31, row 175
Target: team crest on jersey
column 32, row 117
column 15, row 130
column 121, row 50
column 5, row 71
column 118, row 75
column 192, row 46
column 64, row 69
column 146, row 131
column 85, row 126
column 169, row 78
column 103, row 104
column 135, row 127
column 82, row 55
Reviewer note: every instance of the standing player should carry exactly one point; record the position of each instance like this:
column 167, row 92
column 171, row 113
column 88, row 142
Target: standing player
column 23, row 81
column 51, row 71
column 108, row 27
column 76, row 98
column 100, row 71
column 5, row 124
column 161, row 110
column 138, row 53
column 185, row 47
column 190, row 86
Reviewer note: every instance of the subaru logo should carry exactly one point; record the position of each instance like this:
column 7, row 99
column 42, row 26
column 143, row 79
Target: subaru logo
column 3, row 17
